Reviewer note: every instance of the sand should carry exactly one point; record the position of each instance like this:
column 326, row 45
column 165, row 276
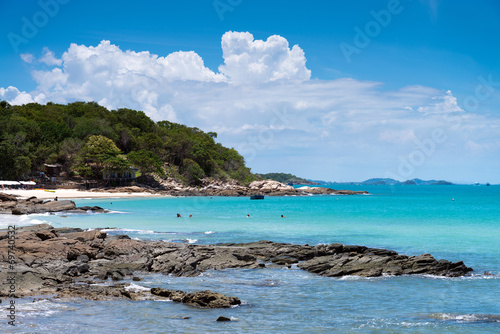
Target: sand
column 73, row 193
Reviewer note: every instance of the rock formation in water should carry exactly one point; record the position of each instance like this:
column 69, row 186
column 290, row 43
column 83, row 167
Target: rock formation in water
column 50, row 260
column 19, row 206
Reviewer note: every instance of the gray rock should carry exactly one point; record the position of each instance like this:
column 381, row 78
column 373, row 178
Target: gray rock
column 58, row 206
column 203, row 299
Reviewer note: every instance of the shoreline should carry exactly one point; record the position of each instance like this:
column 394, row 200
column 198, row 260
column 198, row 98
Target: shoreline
column 75, row 193
column 216, row 188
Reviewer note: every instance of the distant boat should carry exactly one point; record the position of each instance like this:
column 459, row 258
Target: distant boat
column 257, row 196
column 477, row 184
column 488, row 184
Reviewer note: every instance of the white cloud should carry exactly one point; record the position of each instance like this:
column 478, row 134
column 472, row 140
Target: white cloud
column 14, row 96
column 447, row 103
column 254, row 61
column 27, row 57
column 48, row 58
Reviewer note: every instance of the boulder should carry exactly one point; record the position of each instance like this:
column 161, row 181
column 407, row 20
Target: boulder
column 57, row 206
column 203, row 299
column 7, row 198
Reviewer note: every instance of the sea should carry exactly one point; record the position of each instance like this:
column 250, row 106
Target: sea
column 453, row 222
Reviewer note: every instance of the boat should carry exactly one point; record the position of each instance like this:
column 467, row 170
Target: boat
column 257, row 196
column 488, row 184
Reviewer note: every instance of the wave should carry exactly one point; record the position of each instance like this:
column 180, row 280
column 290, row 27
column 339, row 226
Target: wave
column 472, row 276
column 41, row 307
column 18, row 221
column 120, row 212
column 466, row 317
column 108, row 230
column 136, row 288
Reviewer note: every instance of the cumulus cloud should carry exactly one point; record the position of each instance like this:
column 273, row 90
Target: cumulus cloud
column 445, row 104
column 255, row 61
column 48, row 58
column 14, row 96
column 263, row 102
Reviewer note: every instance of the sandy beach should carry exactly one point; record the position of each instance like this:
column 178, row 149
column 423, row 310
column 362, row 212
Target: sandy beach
column 74, row 193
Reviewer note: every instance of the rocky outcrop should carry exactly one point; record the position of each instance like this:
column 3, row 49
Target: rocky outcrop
column 370, row 262
column 271, row 187
column 18, row 206
column 204, row 299
column 52, row 260
column 222, row 188
column 329, row 191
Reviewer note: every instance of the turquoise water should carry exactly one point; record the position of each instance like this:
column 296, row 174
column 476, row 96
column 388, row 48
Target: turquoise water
column 451, row 222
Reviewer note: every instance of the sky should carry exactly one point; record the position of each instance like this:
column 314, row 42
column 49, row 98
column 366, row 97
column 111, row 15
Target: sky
column 325, row 90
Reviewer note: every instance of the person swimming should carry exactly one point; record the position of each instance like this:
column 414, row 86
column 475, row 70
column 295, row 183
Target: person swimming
column 178, row 215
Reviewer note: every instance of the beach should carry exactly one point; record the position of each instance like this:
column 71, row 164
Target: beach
column 75, row 193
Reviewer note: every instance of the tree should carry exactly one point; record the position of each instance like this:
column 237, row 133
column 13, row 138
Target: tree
column 192, row 171
column 146, row 161
column 100, row 154
column 90, row 139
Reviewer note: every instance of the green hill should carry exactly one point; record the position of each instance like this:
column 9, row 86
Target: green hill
column 285, row 178
column 88, row 140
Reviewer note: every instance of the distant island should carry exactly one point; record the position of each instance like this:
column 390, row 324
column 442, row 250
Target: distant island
column 285, row 178
column 389, row 182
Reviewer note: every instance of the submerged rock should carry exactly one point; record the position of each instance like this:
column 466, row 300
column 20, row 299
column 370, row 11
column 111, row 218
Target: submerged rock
column 204, row 299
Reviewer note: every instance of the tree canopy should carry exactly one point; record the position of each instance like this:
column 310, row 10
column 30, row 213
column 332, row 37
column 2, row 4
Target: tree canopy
column 87, row 139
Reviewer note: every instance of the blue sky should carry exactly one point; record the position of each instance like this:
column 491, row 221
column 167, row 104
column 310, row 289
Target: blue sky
column 325, row 90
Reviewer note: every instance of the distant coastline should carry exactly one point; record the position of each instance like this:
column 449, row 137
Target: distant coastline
column 387, row 181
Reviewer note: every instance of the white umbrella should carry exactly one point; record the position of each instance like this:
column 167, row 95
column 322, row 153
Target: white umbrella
column 9, row 183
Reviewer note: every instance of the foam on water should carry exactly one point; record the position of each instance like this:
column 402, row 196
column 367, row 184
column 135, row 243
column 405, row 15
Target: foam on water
column 466, row 317
column 136, row 288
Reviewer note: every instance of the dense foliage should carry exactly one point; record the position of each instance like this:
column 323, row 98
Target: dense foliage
column 89, row 140
column 285, row 178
